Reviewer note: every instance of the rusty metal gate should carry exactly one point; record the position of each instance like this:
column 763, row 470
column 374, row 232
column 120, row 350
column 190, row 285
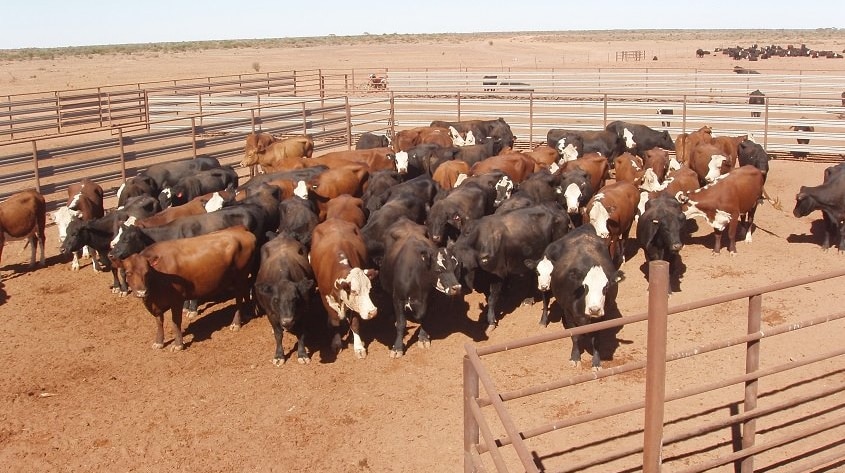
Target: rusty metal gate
column 770, row 428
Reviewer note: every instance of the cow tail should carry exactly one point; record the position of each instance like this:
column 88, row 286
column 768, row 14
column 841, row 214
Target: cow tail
column 775, row 202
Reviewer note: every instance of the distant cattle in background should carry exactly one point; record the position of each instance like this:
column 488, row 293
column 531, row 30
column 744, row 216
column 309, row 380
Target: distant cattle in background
column 802, row 141
column 756, row 98
column 665, row 111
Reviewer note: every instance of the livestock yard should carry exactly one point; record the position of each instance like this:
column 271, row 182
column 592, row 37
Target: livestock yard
column 81, row 388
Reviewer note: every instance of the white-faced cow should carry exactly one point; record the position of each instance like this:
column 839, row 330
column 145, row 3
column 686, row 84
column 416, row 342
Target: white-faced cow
column 612, row 211
column 168, row 273
column 23, row 216
column 577, row 268
column 283, row 288
column 338, row 256
column 85, row 202
column 723, row 202
column 659, row 231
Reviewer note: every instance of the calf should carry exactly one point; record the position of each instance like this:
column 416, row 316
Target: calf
column 802, row 141
column 167, row 174
column 168, row 273
column 338, row 256
column 611, row 211
column 24, row 215
column 413, row 266
column 580, row 273
column 722, row 202
column 401, row 206
column 829, row 198
column 283, row 288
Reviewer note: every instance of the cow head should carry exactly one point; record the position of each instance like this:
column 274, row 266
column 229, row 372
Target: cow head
column 165, row 198
column 804, row 203
column 447, row 268
column 470, row 139
column 74, row 236
column 567, row 152
column 544, row 273
column 595, row 284
column 504, row 188
column 137, row 268
column 282, row 298
column 353, row 291
column 63, row 216
column 629, row 138
column 714, row 167
column 214, row 203
column 402, row 162
column 128, row 240
column 599, row 216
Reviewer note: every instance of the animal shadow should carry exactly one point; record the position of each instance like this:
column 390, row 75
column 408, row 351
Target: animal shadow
column 607, row 339
column 677, row 269
column 816, row 235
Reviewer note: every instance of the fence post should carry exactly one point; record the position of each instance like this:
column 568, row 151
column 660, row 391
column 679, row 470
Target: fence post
column 459, row 106
column 766, row 124
column 348, row 124
column 100, row 106
column 530, row 121
column 304, row 120
column 470, row 425
column 392, row 116
column 684, row 119
column 122, row 154
column 294, row 83
column 604, row 113
column 655, row 389
column 322, row 83
column 752, row 363
column 35, row 166
column 146, row 110
column 194, row 135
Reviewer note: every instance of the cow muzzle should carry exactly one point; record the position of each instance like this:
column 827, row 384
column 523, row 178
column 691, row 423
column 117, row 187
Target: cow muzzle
column 595, row 312
column 677, row 247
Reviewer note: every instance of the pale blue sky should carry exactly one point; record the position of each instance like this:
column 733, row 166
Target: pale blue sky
column 56, row 23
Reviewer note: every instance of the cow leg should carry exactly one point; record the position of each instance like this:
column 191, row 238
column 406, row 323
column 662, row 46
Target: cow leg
column 74, row 265
column 87, row 252
column 830, row 230
column 301, row 355
column 236, row 320
column 717, row 246
column 33, row 244
column 191, row 309
column 492, row 300
column 594, row 341
column 401, row 324
column 544, row 317
column 732, row 227
column 158, row 344
column 424, row 340
column 840, row 229
column 357, row 343
column 278, row 331
column 176, row 319
column 568, row 321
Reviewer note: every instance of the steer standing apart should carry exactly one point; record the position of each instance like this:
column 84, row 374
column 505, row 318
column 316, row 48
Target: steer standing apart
column 168, row 273
column 24, row 215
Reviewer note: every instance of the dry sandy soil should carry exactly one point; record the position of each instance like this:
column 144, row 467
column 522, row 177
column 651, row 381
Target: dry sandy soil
column 81, row 389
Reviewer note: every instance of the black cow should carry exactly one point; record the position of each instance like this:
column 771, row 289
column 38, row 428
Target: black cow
column 167, row 174
column 413, row 265
column 756, row 98
column 640, row 138
column 297, row 219
column 195, row 185
column 472, row 154
column 659, row 231
column 470, row 200
column 482, row 129
column 136, row 186
column 829, row 197
column 379, row 182
column 510, row 244
column 422, row 188
column 293, row 176
column 749, row 152
column 283, row 288
column 581, row 275
column 424, row 158
column 576, row 189
column 608, row 143
column 369, row 140
column 802, row 141
column 98, row 234
column 665, row 111
column 402, row 205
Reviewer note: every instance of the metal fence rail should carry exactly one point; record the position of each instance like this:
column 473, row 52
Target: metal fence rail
column 821, row 407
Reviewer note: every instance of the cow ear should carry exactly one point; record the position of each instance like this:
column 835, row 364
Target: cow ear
column 154, row 261
column 342, row 286
column 530, row 263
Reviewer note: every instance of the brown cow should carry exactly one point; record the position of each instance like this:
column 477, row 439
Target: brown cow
column 407, row 139
column 167, row 273
column 709, row 162
column 656, row 159
column 447, row 173
column 334, row 182
column 594, row 164
column 274, row 155
column 84, row 202
column 681, row 180
column 346, row 207
column 338, row 255
column 24, row 215
column 515, row 165
column 196, row 206
column 730, row 147
column 543, row 156
column 375, row 158
column 629, row 168
column 685, row 143
column 722, row 202
column 612, row 211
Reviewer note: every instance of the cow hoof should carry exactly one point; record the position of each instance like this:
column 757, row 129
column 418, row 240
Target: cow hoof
column 596, row 369
column 278, row 361
column 175, row 347
column 395, row 354
column 303, row 360
column 489, row 330
column 528, row 301
column 192, row 314
column 234, row 327
column 115, row 290
column 425, row 344
column 361, row 354
column 74, row 267
column 574, row 363
column 158, row 346
column 122, row 293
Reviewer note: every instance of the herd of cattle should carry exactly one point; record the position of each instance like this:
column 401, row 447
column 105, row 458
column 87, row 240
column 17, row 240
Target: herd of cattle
column 755, row 52
column 450, row 207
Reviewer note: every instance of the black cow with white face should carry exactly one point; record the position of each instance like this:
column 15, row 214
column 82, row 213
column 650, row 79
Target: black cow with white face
column 659, row 231
column 640, row 138
column 576, row 189
column 470, row 200
column 501, row 245
column 577, row 268
column 283, row 289
column 829, row 197
column 607, row 143
column 423, row 158
column 414, row 267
